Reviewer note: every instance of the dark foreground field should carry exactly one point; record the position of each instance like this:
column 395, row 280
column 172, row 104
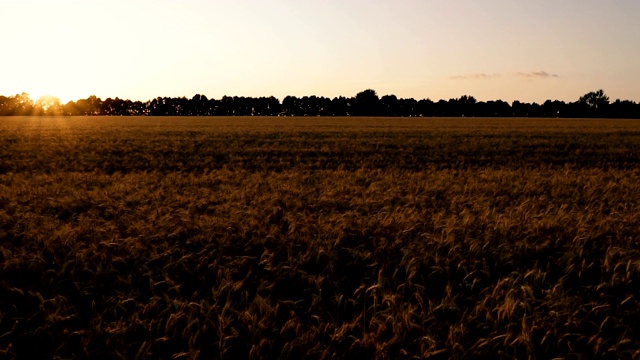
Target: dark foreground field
column 319, row 238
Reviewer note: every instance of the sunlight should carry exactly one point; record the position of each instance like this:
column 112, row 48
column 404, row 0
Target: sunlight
column 55, row 78
column 62, row 96
column 48, row 103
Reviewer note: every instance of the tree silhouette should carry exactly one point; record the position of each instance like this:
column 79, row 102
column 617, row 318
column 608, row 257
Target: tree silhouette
column 463, row 106
column 595, row 99
column 493, row 108
column 4, row 101
column 20, row 104
column 289, row 106
column 592, row 104
column 425, row 108
column 117, row 107
column 89, row 106
column 389, row 105
column 624, row 109
column 340, row 106
column 199, row 106
column 309, row 106
column 366, row 103
column 554, row 108
column 441, row 108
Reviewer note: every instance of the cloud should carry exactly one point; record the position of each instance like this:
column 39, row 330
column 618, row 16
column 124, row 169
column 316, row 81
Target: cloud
column 536, row 75
column 477, row 76
column 531, row 75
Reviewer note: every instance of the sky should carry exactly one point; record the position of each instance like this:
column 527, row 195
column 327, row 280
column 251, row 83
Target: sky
column 526, row 50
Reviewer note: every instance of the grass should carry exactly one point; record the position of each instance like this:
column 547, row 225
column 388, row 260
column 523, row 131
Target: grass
column 319, row 238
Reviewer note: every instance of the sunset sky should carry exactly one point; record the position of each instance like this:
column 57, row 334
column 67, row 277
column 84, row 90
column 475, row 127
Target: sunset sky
column 492, row 49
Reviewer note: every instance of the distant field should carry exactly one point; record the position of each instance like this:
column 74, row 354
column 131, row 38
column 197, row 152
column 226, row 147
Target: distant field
column 319, row 238
column 150, row 144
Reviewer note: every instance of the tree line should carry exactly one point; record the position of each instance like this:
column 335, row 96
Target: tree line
column 594, row 104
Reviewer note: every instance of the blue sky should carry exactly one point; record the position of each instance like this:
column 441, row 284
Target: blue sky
column 492, row 49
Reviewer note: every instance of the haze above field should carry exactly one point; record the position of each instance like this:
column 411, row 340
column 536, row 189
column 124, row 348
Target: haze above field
column 495, row 49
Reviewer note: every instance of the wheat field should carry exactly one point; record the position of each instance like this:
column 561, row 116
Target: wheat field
column 319, row 238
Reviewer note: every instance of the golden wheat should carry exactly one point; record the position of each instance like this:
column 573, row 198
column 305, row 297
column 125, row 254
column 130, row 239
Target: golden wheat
column 319, row 238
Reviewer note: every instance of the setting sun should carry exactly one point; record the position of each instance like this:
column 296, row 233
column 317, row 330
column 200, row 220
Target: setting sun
column 50, row 84
column 36, row 96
